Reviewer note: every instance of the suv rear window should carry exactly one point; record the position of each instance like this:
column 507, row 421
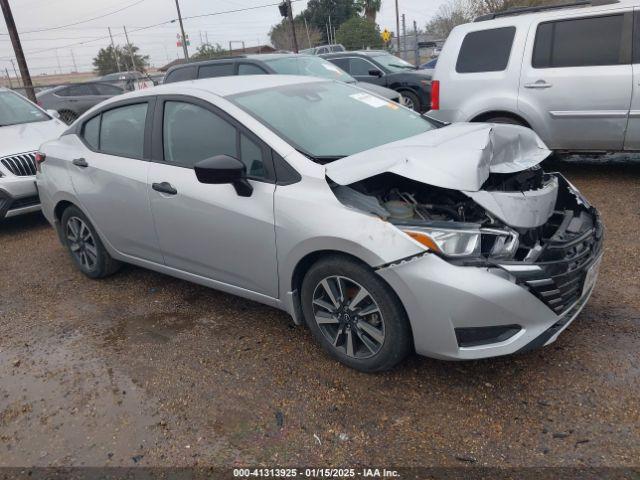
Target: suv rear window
column 579, row 42
column 181, row 74
column 216, row 70
column 486, row 50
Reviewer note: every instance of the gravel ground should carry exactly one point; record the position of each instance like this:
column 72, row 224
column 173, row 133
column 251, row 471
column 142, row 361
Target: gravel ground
column 144, row 369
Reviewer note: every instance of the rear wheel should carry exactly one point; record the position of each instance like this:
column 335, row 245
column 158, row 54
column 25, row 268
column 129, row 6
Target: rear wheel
column 411, row 100
column 84, row 245
column 354, row 315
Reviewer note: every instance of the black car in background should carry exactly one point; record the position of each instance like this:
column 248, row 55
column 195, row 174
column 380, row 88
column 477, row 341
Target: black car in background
column 271, row 64
column 382, row 68
column 71, row 101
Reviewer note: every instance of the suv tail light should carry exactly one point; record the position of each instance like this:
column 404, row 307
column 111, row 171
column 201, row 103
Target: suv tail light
column 435, row 95
column 40, row 157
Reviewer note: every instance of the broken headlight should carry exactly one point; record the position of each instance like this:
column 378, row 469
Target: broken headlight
column 465, row 242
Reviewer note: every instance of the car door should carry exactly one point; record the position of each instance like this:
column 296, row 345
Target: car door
column 360, row 69
column 109, row 171
column 576, row 80
column 209, row 230
column 80, row 97
column 632, row 137
column 103, row 91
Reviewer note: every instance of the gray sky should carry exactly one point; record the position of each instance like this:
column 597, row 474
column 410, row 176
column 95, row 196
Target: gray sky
column 45, row 50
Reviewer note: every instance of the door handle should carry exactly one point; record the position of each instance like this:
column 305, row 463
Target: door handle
column 538, row 84
column 164, row 187
column 80, row 162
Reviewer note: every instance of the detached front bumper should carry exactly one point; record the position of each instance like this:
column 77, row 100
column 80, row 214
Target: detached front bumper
column 18, row 195
column 440, row 298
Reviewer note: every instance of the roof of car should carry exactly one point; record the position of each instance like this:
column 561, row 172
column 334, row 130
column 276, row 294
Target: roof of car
column 220, row 86
column 251, row 56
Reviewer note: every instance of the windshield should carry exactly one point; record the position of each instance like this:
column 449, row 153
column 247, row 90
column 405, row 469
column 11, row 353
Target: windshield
column 15, row 109
column 393, row 63
column 309, row 67
column 329, row 120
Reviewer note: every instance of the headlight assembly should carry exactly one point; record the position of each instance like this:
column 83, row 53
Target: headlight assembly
column 465, row 242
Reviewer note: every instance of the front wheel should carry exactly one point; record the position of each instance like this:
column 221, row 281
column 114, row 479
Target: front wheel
column 354, row 315
column 411, row 100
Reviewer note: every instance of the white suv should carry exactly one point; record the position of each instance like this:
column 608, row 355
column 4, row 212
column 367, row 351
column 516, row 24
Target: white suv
column 23, row 128
column 571, row 73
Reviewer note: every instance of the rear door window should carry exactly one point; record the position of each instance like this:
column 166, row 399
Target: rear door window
column 486, row 50
column 343, row 63
column 122, row 131
column 580, row 42
column 216, row 70
column 250, row 69
column 181, row 74
column 91, row 132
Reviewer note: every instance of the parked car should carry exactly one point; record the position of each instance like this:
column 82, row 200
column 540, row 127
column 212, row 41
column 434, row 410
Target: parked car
column 564, row 71
column 129, row 81
column 23, row 128
column 380, row 229
column 71, row 101
column 321, row 49
column 429, row 67
column 384, row 69
column 260, row 64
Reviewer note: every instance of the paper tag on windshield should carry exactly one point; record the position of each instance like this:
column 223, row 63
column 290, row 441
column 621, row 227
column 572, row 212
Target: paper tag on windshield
column 370, row 100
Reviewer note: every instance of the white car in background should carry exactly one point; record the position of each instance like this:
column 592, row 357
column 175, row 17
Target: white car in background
column 23, row 128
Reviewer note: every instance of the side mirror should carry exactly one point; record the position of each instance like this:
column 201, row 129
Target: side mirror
column 53, row 113
column 224, row 169
column 374, row 72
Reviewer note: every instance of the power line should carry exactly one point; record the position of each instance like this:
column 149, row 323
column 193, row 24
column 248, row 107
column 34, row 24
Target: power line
column 81, row 21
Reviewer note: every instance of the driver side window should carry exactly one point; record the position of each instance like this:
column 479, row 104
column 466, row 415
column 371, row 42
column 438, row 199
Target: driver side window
column 361, row 67
column 192, row 133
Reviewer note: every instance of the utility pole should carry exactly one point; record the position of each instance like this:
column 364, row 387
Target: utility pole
column 293, row 27
column 404, row 36
column 73, row 59
column 115, row 52
column 58, row 59
column 15, row 72
column 184, row 37
column 17, row 48
column 416, row 47
column 398, row 27
column 8, row 77
column 133, row 60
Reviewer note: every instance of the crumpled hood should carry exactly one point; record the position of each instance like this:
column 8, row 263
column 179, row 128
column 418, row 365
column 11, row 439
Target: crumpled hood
column 27, row 137
column 459, row 156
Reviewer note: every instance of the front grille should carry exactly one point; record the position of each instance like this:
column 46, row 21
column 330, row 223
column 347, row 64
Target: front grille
column 22, row 165
column 558, row 273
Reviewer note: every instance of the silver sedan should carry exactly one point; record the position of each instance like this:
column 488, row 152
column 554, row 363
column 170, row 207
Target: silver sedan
column 383, row 231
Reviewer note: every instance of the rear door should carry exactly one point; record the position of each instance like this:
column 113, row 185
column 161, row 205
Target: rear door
column 109, row 174
column 576, row 80
column 79, row 98
column 632, row 137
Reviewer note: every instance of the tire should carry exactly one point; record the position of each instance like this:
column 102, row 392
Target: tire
column 375, row 325
column 411, row 100
column 84, row 245
column 68, row 117
column 504, row 119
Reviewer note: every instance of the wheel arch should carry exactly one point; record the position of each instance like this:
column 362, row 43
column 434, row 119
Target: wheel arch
column 483, row 117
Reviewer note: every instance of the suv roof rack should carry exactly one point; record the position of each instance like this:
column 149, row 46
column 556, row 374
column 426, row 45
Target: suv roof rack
column 522, row 10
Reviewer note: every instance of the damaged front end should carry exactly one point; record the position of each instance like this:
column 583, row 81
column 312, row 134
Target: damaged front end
column 531, row 227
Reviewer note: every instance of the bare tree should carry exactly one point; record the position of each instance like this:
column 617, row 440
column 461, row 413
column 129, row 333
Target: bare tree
column 282, row 37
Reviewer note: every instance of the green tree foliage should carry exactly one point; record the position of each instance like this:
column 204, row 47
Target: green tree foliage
column 370, row 8
column 108, row 59
column 207, row 51
column 281, row 35
column 359, row 33
column 318, row 12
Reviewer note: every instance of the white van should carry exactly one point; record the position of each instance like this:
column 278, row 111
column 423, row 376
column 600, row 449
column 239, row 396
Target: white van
column 570, row 72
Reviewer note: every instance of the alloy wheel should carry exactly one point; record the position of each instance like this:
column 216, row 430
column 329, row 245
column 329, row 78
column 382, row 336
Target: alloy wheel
column 348, row 317
column 81, row 243
column 407, row 102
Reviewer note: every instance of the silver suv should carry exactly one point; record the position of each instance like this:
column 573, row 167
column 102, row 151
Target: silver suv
column 569, row 73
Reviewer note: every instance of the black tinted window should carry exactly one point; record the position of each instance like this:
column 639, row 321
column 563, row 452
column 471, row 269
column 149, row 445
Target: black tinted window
column 216, row 70
column 249, row 69
column 75, row 91
column 122, row 131
column 251, row 156
column 579, row 43
column 91, row 132
column 103, row 89
column 181, row 74
column 486, row 50
column 192, row 133
column 359, row 66
column 343, row 63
